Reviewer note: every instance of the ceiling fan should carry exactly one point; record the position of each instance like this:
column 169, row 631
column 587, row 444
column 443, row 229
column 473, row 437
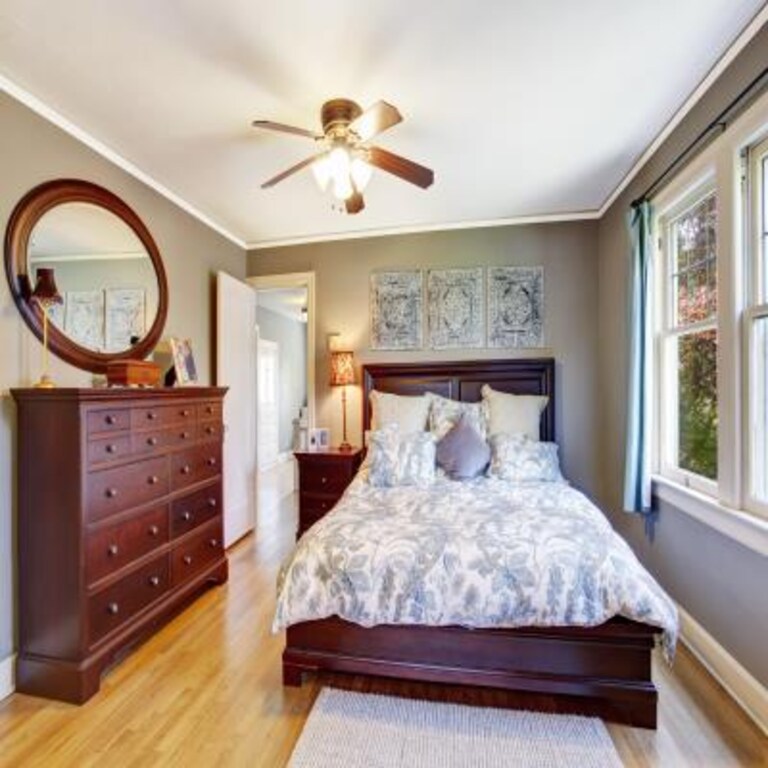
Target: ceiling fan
column 347, row 159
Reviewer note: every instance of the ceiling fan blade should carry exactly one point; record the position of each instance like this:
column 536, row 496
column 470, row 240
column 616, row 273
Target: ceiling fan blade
column 375, row 120
column 354, row 203
column 268, row 125
column 290, row 171
column 401, row 167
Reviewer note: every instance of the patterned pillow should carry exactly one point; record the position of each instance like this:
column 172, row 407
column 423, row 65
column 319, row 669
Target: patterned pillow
column 513, row 414
column 409, row 414
column 462, row 453
column 397, row 459
column 519, row 459
column 445, row 413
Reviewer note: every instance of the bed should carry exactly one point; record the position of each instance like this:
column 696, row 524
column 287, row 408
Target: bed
column 601, row 669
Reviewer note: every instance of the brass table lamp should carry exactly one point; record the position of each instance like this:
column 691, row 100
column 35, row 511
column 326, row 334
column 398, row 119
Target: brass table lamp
column 46, row 294
column 343, row 374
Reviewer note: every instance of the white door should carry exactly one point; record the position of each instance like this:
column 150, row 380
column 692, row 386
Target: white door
column 236, row 368
column 268, row 441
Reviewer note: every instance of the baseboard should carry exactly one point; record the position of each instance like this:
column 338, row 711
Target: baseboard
column 7, row 676
column 745, row 690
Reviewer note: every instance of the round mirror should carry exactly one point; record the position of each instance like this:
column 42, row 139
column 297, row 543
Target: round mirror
column 106, row 268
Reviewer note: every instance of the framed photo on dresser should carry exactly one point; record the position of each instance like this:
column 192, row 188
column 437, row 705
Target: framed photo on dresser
column 183, row 361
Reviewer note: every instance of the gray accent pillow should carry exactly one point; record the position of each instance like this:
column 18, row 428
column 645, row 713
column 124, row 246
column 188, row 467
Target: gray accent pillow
column 463, row 453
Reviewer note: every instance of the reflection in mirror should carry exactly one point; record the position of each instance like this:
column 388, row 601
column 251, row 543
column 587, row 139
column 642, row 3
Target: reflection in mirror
column 103, row 272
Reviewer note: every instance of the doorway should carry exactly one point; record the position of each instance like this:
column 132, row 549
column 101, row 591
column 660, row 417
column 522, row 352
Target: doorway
column 284, row 388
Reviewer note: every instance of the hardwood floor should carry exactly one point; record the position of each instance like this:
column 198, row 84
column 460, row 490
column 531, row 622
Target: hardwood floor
column 206, row 691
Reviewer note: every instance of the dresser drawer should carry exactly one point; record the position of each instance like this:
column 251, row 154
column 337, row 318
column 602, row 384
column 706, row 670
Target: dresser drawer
column 210, row 430
column 316, row 504
column 152, row 417
column 109, row 549
column 108, row 420
column 105, row 449
column 195, row 465
column 183, row 414
column 114, row 606
column 114, row 490
column 210, row 411
column 195, row 509
column 331, row 477
column 192, row 555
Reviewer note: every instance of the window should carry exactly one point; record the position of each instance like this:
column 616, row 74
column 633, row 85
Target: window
column 756, row 319
column 688, row 341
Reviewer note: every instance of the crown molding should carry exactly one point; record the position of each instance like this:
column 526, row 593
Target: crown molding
column 735, row 48
column 52, row 116
column 362, row 234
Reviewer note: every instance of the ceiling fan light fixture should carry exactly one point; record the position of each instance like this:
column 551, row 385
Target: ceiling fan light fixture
column 361, row 173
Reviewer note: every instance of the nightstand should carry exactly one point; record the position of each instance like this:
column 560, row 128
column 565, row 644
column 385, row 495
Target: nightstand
column 323, row 478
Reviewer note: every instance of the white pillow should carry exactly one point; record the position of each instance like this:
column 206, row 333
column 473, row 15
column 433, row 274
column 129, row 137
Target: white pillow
column 517, row 459
column 514, row 414
column 396, row 459
column 409, row 414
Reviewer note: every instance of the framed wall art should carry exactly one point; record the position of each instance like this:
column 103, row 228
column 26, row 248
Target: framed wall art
column 396, row 305
column 455, row 308
column 515, row 307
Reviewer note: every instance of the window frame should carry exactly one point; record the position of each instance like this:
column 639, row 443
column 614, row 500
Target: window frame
column 667, row 330
column 756, row 220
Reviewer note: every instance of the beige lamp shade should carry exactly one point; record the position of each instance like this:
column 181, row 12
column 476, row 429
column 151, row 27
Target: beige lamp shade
column 342, row 368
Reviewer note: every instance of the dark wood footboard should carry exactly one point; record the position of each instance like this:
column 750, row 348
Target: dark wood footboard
column 603, row 671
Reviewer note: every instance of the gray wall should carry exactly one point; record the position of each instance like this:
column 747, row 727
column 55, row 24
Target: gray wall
column 291, row 335
column 33, row 151
column 568, row 253
column 719, row 582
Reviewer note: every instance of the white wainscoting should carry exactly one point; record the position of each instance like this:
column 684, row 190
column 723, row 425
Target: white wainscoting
column 745, row 690
column 7, row 676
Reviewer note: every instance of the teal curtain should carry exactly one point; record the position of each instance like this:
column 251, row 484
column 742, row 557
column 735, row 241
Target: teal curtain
column 637, row 469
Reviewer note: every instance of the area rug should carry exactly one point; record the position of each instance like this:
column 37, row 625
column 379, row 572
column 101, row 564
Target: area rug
column 358, row 730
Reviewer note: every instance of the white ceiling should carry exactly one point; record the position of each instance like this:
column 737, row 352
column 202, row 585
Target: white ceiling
column 525, row 108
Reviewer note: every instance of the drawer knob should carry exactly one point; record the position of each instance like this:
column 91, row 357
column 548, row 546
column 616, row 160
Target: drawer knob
column 151, row 415
column 151, row 441
column 212, row 503
column 153, row 479
column 111, row 493
column 209, row 430
column 187, row 559
column 323, row 480
column 185, row 411
column 154, row 581
column 153, row 530
column 113, row 550
column 110, row 419
column 211, row 462
column 186, row 469
column 111, row 448
column 113, row 608
column 186, row 516
column 185, row 435
column 209, row 409
column 214, row 543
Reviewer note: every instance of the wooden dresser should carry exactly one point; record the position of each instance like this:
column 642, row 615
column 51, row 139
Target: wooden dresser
column 323, row 478
column 119, row 524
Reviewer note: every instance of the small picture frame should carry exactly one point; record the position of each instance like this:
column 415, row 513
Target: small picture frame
column 183, row 362
column 319, row 439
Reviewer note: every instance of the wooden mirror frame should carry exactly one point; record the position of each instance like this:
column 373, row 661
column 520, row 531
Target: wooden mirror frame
column 28, row 211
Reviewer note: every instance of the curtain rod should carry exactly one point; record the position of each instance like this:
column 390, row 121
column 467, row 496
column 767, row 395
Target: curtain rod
column 719, row 124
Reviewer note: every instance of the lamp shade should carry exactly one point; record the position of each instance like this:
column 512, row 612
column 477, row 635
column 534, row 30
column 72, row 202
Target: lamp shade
column 342, row 368
column 46, row 292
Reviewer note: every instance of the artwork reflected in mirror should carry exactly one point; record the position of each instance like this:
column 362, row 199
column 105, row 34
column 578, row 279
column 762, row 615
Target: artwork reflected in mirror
column 106, row 277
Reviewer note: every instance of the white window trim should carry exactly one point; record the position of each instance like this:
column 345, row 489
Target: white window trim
column 729, row 513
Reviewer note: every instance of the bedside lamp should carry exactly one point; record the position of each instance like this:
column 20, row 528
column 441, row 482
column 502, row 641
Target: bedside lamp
column 343, row 374
column 46, row 294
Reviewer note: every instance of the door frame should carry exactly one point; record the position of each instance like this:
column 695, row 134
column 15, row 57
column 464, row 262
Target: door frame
column 297, row 280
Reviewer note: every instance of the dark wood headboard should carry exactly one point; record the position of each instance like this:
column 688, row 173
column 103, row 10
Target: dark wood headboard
column 463, row 380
